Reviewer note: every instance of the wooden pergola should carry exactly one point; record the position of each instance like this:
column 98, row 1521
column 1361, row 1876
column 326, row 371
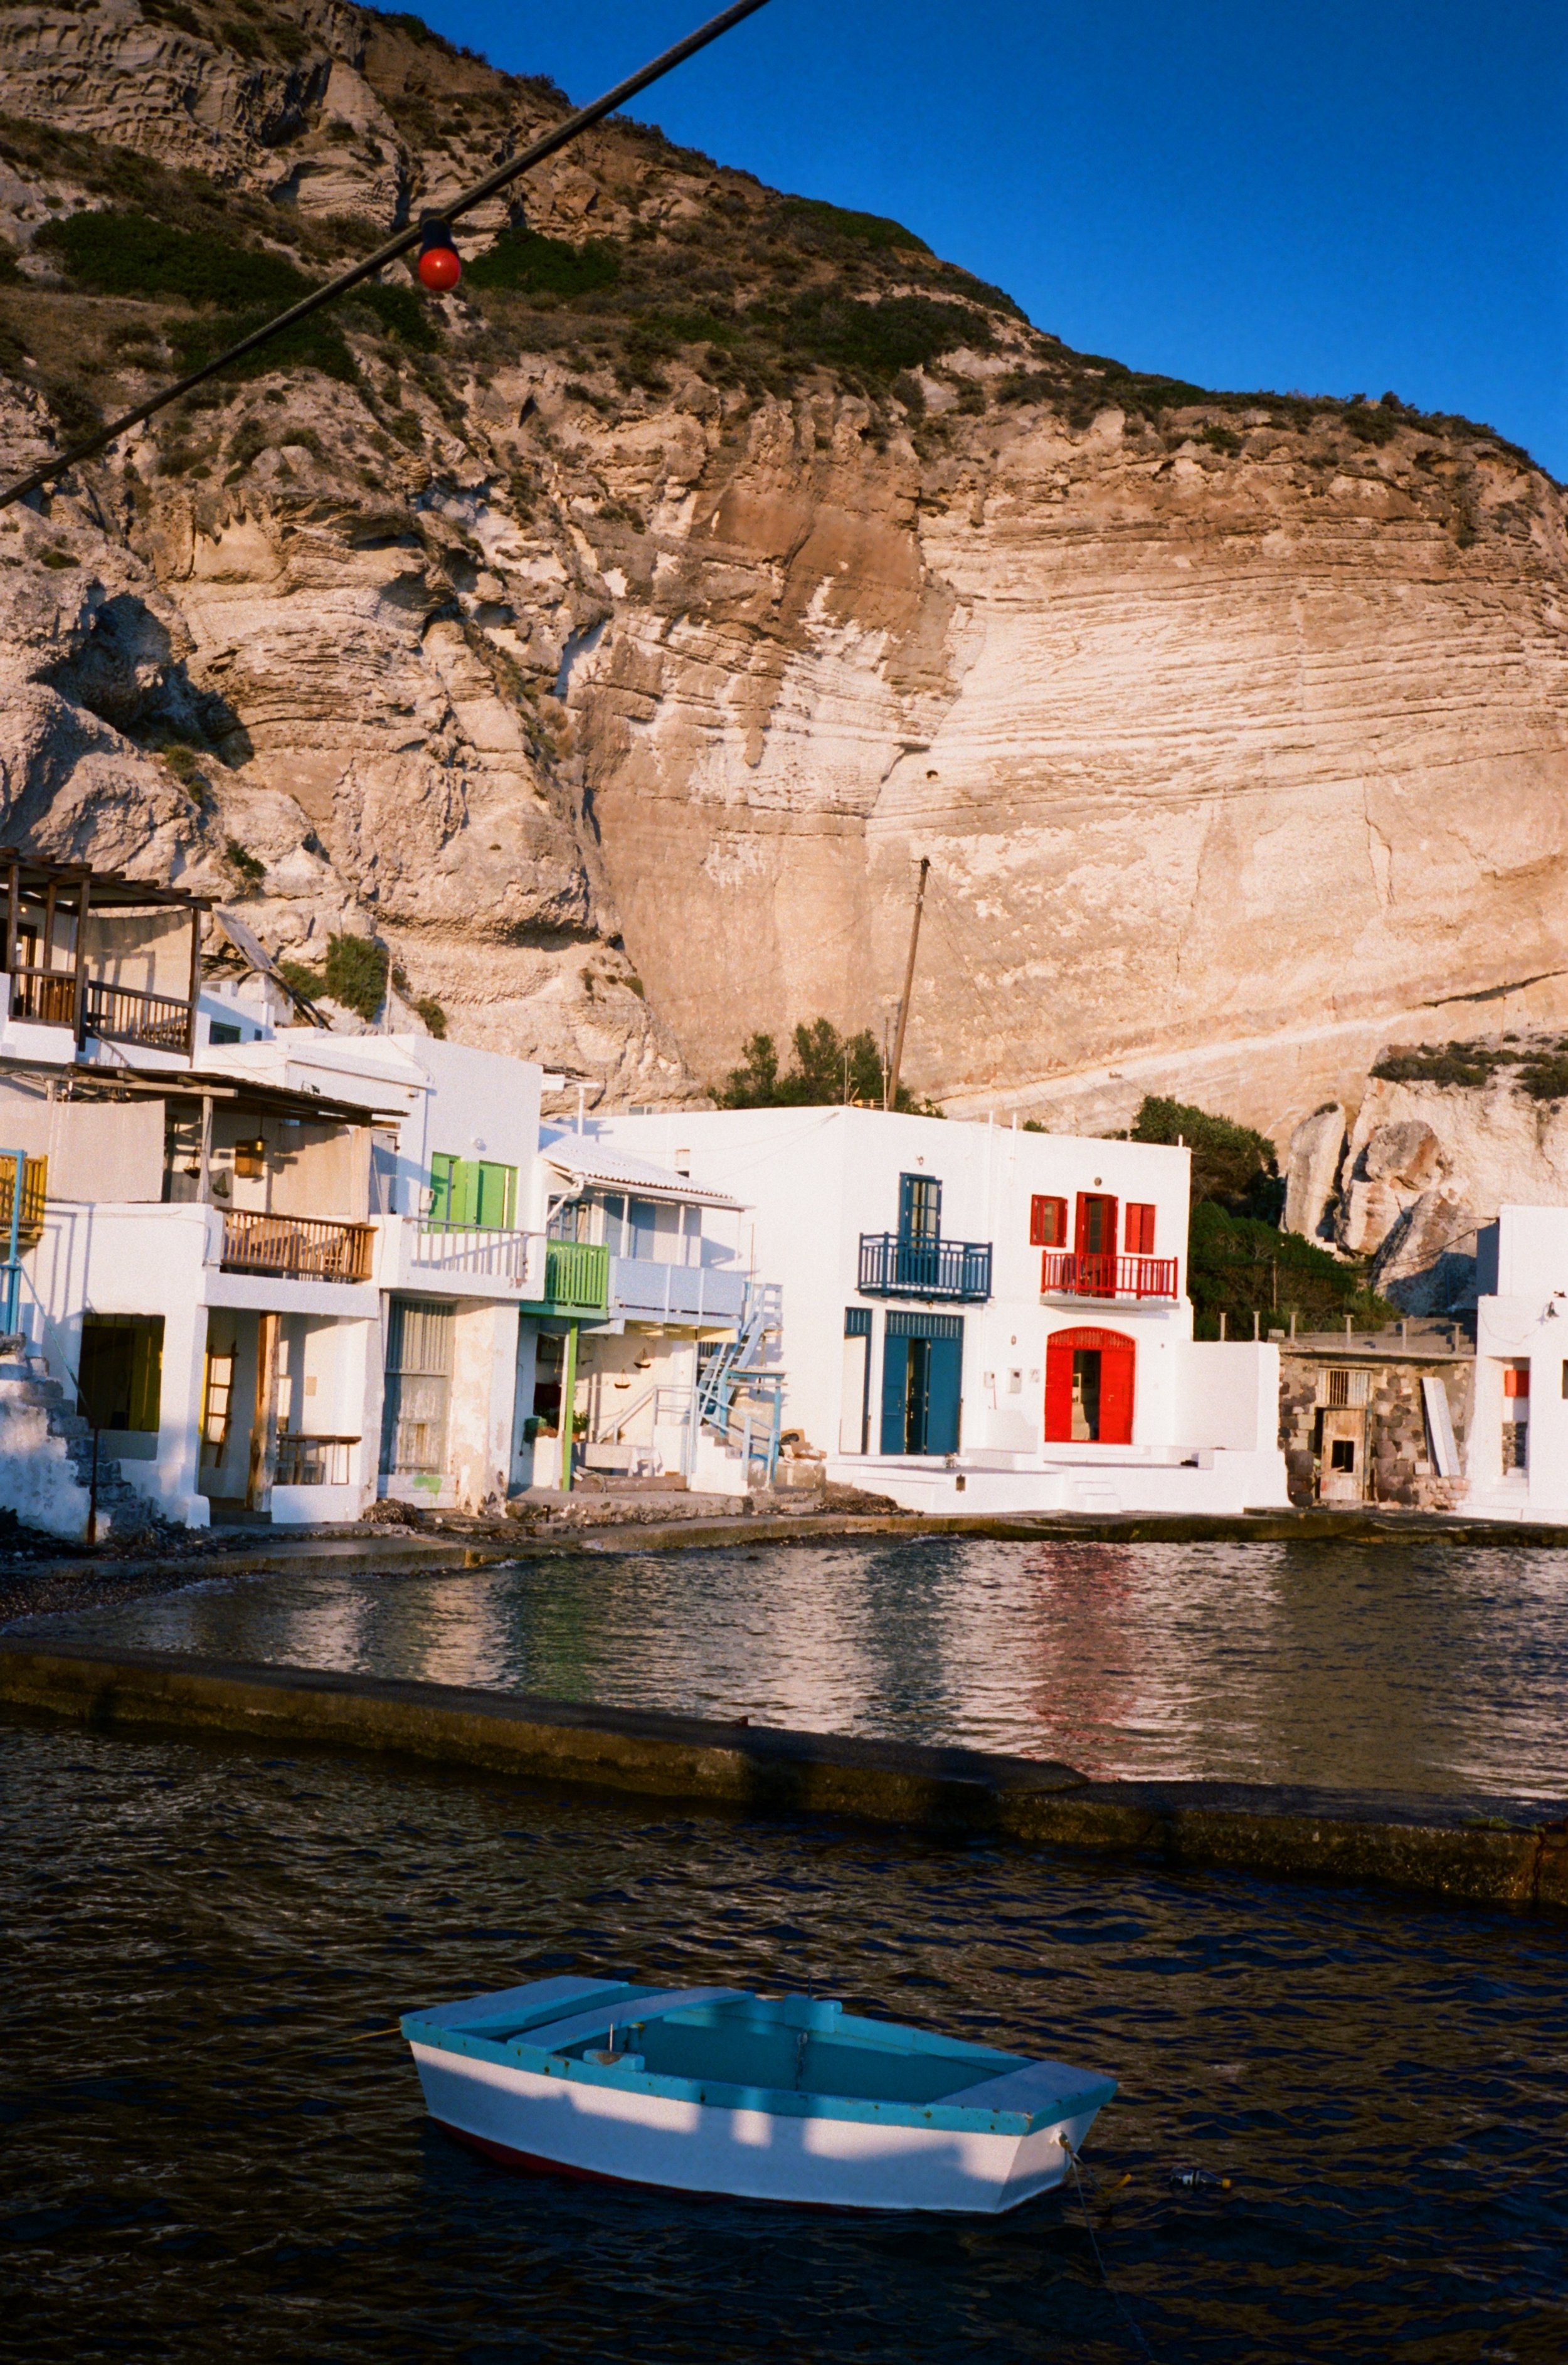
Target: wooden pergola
column 69, row 995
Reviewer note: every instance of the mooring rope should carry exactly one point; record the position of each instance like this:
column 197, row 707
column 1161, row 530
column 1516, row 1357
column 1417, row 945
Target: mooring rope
column 1121, row 2308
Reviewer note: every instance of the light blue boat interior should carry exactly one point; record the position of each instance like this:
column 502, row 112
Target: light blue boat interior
column 792, row 2055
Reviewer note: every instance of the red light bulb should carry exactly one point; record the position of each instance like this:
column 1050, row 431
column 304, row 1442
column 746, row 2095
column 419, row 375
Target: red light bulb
column 440, row 269
column 439, row 266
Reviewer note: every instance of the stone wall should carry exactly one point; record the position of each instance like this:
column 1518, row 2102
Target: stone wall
column 1394, row 1463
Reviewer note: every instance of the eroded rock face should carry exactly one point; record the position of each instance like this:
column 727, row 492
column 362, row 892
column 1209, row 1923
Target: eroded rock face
column 624, row 712
column 1425, row 1165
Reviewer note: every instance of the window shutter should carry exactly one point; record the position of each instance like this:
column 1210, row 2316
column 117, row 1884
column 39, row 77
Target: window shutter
column 1140, row 1229
column 1058, row 1391
column 1047, row 1222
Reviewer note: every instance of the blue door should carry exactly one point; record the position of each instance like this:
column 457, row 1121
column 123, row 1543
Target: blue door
column 922, row 1366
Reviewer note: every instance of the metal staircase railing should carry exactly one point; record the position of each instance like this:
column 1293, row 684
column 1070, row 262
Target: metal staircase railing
column 735, row 1394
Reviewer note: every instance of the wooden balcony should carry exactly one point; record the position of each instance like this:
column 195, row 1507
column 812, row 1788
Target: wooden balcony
column 956, row 1273
column 45, row 996
column 297, row 1247
column 117, row 1013
column 1066, row 1274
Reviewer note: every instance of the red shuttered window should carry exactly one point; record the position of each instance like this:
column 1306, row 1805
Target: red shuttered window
column 1047, row 1223
column 1139, row 1236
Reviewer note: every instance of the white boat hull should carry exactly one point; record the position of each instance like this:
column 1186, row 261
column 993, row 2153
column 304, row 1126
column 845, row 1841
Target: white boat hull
column 532, row 2121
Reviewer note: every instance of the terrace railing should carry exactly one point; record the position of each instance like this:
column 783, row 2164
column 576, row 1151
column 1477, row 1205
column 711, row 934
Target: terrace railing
column 577, row 1277
column 297, row 1247
column 892, row 1265
column 118, row 1014
column 47, row 996
column 1065, row 1272
column 314, row 1461
column 480, row 1252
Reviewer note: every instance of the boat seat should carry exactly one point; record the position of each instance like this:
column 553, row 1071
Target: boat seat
column 625, row 2011
column 1039, row 2088
column 518, row 2004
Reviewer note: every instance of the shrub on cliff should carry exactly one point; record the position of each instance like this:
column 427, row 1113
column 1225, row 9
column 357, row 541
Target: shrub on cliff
column 527, row 263
column 127, row 253
column 829, row 1068
column 1232, row 1165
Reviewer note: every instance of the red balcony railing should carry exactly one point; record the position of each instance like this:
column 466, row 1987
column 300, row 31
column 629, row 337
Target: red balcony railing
column 1066, row 1274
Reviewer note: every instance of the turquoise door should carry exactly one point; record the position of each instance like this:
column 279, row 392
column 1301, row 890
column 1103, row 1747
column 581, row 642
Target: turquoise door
column 922, row 1365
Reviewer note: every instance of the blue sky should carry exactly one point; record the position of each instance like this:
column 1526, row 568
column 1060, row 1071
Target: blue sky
column 1340, row 199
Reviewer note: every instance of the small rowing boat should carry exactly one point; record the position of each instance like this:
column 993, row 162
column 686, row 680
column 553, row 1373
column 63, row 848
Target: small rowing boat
column 713, row 2090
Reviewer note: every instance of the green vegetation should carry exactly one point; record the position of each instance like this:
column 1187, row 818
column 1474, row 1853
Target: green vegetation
column 433, row 1014
column 126, row 253
column 878, row 339
column 355, row 974
column 244, row 864
column 1240, row 1262
column 526, row 261
column 302, row 979
column 865, row 229
column 1538, row 1069
column 1232, row 1165
column 829, row 1067
column 1240, row 1266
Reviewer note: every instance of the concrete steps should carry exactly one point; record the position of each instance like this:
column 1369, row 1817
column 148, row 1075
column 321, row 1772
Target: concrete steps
column 47, row 1477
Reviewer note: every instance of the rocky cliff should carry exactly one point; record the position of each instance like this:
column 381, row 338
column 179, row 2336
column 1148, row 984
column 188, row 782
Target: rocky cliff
column 612, row 638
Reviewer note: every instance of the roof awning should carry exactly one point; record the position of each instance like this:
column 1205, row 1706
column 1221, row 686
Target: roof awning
column 584, row 1163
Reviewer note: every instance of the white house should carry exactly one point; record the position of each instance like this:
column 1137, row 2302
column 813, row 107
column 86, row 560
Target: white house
column 665, row 1261
column 1519, row 1426
column 978, row 1318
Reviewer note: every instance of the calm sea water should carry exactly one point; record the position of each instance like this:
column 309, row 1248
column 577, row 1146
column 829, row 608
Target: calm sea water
column 197, row 2161
column 1397, row 1666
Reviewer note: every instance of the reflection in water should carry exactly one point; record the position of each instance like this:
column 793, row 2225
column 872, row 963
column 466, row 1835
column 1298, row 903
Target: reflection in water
column 198, row 2167
column 1409, row 1667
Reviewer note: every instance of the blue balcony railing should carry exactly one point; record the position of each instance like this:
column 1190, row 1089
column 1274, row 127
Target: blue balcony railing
column 892, row 1266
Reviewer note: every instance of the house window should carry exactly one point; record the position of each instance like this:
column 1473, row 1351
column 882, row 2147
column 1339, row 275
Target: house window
column 920, row 1207
column 1516, row 1444
column 1342, row 1453
column 1047, row 1222
column 119, row 1378
column 1515, row 1380
column 1140, row 1233
column 250, row 1161
column 471, row 1193
column 216, row 1404
column 221, row 1032
column 1342, row 1387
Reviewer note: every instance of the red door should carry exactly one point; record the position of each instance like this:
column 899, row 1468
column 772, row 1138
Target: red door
column 1094, row 1240
column 1094, row 1370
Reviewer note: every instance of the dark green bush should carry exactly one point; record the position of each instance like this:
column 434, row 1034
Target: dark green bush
column 433, row 1014
column 879, row 338
column 865, row 229
column 829, row 1067
column 119, row 253
column 244, row 864
column 356, row 972
column 1231, row 1163
column 1467, row 1065
column 527, row 263
column 399, row 312
column 1240, row 1266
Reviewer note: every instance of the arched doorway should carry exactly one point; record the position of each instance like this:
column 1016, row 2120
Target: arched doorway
column 1089, row 1387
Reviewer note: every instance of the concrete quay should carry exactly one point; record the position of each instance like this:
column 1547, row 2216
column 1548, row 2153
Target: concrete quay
column 1460, row 1852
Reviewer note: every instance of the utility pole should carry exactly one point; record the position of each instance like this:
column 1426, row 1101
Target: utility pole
column 891, row 1089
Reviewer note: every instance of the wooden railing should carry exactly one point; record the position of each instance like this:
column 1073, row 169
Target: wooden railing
column 313, row 1460
column 34, row 1199
column 892, row 1265
column 1066, row 1274
column 117, row 1013
column 297, row 1248
column 47, row 996
column 577, row 1277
